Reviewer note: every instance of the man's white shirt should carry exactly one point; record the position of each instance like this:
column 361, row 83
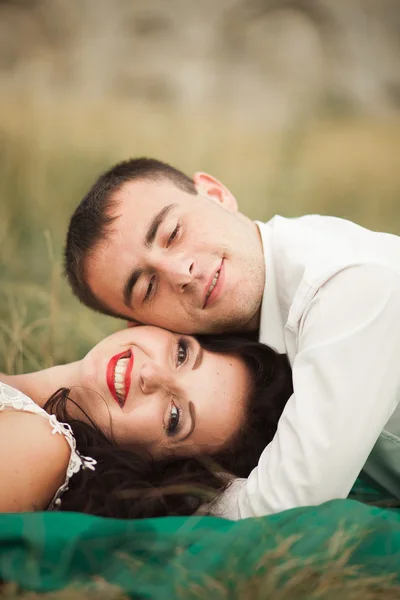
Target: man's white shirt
column 332, row 303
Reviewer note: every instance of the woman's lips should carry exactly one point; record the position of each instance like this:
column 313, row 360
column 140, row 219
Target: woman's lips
column 110, row 375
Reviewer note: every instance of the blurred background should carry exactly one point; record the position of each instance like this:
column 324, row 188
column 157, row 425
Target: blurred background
column 294, row 105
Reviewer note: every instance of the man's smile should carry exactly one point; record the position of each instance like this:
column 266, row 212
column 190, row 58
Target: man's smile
column 214, row 285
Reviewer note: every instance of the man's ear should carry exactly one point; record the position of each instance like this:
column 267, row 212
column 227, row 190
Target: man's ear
column 209, row 187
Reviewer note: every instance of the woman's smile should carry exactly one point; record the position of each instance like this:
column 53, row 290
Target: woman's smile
column 119, row 372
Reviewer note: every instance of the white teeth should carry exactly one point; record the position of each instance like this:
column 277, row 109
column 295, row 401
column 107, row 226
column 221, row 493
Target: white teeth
column 213, row 284
column 119, row 377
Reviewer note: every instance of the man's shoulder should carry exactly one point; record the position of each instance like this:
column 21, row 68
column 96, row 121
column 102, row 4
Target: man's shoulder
column 309, row 239
column 314, row 220
column 304, row 229
column 318, row 238
column 303, row 253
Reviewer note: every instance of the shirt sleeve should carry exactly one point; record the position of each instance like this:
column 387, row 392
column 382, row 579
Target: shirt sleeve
column 346, row 377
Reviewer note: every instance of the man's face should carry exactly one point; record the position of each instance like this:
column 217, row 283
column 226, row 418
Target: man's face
column 188, row 263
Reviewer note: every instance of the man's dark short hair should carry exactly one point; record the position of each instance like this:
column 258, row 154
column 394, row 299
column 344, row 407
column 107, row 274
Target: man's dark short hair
column 91, row 222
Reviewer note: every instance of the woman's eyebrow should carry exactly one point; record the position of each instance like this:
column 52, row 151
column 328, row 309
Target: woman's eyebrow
column 192, row 412
column 198, row 360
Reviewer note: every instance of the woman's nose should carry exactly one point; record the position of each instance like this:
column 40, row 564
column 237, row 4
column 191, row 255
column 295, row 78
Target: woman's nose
column 152, row 377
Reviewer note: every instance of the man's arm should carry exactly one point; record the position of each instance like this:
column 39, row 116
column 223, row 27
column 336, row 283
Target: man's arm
column 346, row 378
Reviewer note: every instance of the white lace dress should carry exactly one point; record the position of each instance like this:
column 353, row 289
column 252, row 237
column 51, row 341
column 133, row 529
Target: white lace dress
column 10, row 398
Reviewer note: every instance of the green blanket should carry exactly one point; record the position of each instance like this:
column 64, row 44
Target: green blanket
column 204, row 557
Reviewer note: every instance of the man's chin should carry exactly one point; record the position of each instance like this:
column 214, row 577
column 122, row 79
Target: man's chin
column 235, row 323
column 223, row 326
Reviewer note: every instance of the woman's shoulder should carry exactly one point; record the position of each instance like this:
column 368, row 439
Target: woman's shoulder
column 33, row 462
column 37, row 462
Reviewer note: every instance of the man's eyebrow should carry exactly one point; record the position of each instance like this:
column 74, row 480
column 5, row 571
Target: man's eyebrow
column 155, row 224
column 129, row 285
column 192, row 411
column 198, row 360
column 148, row 242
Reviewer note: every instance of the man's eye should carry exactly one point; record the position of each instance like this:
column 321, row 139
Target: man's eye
column 182, row 353
column 173, row 235
column 174, row 418
column 149, row 288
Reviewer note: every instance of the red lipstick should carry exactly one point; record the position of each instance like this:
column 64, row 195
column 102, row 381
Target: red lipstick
column 110, row 375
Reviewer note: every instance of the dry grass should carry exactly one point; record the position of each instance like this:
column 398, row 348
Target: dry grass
column 307, row 585
column 100, row 591
column 280, row 574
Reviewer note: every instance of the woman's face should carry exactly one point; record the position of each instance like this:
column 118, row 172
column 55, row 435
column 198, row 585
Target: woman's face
column 162, row 391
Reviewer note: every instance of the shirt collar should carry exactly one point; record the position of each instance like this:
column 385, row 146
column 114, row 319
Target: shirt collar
column 271, row 326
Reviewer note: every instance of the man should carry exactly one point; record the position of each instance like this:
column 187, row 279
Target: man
column 149, row 244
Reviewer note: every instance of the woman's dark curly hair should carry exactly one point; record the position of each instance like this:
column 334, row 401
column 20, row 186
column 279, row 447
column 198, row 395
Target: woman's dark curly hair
column 131, row 484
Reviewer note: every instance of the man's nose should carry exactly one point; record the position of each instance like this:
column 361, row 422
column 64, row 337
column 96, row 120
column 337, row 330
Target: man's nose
column 152, row 378
column 178, row 270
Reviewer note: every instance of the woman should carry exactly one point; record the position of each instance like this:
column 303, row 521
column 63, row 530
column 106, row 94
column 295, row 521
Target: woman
column 145, row 404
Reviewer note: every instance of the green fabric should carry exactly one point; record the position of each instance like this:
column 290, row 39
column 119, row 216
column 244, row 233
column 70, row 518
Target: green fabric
column 383, row 464
column 158, row 558
column 367, row 490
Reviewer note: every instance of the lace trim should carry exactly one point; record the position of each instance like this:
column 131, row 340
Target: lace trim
column 12, row 398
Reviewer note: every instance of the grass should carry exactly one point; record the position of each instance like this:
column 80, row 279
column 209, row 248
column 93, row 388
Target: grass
column 278, row 575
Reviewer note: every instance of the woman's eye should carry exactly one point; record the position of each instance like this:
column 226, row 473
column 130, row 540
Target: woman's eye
column 174, row 419
column 173, row 235
column 149, row 288
column 182, row 353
